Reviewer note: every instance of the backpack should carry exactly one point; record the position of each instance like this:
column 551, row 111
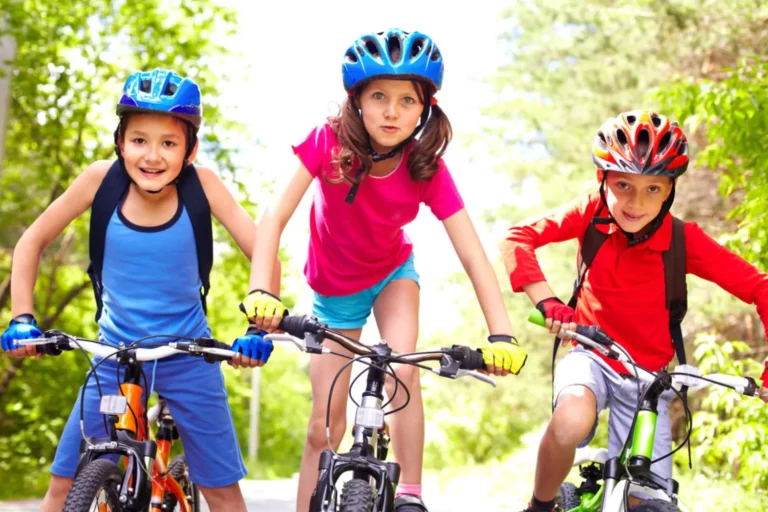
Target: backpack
column 113, row 189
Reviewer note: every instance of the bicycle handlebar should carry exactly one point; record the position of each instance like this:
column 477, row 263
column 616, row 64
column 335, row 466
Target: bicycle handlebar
column 54, row 342
column 307, row 333
column 593, row 337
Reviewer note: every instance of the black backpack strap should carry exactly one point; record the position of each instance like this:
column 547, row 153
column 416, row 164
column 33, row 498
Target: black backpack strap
column 676, row 288
column 108, row 196
column 593, row 240
column 195, row 201
column 677, row 298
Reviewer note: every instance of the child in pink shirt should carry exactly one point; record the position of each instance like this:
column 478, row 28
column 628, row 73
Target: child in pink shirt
column 372, row 176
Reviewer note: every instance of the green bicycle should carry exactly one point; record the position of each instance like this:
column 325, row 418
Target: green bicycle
column 609, row 481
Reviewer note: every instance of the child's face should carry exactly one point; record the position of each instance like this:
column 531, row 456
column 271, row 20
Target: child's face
column 153, row 147
column 391, row 111
column 635, row 200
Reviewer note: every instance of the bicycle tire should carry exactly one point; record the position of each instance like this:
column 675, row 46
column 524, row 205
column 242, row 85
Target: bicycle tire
column 178, row 470
column 356, row 496
column 99, row 475
column 569, row 498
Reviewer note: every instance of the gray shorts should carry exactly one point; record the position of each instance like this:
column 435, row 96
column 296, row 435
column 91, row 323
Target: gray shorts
column 618, row 393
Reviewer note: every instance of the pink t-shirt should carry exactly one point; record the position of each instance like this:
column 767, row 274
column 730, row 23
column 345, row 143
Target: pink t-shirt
column 354, row 246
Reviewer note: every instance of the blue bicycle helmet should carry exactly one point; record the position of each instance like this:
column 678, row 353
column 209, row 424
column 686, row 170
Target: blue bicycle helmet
column 393, row 54
column 162, row 91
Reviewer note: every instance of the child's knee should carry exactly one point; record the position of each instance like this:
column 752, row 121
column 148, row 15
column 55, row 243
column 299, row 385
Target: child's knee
column 575, row 416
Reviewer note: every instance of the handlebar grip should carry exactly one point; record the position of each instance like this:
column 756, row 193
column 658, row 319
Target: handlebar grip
column 468, row 359
column 474, row 361
column 537, row 317
column 299, row 325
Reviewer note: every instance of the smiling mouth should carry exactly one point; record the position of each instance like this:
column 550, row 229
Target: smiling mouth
column 151, row 172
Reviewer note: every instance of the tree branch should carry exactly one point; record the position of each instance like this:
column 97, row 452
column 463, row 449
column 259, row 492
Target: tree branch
column 63, row 303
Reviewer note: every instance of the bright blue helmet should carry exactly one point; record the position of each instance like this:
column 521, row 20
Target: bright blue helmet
column 162, row 91
column 393, row 54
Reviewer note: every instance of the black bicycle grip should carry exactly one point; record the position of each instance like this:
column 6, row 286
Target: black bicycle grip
column 300, row 325
column 474, row 361
column 469, row 359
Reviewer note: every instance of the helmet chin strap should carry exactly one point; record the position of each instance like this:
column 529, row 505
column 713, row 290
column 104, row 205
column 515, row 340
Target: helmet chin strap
column 191, row 137
column 378, row 157
column 652, row 227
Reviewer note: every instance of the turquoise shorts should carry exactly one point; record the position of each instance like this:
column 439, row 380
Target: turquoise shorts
column 352, row 311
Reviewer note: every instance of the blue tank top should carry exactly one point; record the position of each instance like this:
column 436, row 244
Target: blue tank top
column 151, row 281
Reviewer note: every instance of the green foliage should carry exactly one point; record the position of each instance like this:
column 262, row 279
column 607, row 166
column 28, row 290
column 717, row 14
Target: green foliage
column 733, row 112
column 730, row 436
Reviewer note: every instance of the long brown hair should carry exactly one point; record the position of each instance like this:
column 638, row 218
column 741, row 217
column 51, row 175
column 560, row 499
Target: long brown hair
column 355, row 142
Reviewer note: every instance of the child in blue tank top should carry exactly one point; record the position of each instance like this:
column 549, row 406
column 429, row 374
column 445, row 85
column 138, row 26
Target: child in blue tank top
column 150, row 281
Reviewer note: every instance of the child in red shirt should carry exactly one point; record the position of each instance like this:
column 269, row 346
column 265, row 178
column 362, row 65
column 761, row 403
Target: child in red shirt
column 639, row 156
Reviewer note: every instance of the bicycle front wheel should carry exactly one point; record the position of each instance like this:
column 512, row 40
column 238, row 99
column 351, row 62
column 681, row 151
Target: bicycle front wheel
column 95, row 488
column 178, row 470
column 356, row 496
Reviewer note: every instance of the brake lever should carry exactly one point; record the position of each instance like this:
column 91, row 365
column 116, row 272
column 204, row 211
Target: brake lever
column 309, row 344
column 479, row 376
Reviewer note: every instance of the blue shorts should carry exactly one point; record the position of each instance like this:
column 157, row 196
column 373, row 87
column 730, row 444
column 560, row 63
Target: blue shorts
column 352, row 311
column 195, row 393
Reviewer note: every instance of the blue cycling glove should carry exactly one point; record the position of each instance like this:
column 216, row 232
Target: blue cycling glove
column 23, row 327
column 253, row 345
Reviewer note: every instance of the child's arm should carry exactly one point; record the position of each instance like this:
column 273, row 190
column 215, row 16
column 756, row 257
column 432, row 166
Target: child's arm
column 480, row 271
column 518, row 251
column 264, row 311
column 233, row 217
column 26, row 256
column 713, row 262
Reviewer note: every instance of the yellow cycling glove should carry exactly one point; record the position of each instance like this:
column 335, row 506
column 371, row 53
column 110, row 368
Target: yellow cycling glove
column 262, row 304
column 504, row 353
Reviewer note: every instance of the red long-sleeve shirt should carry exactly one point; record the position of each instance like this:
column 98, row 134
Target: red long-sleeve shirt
column 624, row 288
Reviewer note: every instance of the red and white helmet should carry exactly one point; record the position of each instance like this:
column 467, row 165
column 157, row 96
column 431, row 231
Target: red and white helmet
column 641, row 142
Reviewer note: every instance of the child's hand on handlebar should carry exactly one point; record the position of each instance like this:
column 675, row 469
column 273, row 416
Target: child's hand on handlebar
column 23, row 327
column 559, row 316
column 503, row 356
column 263, row 310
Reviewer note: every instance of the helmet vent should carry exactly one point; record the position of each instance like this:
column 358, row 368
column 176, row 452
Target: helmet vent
column 371, row 47
column 351, row 56
column 395, row 48
column 664, row 142
column 145, row 86
column 435, row 55
column 621, row 137
column 602, row 137
column 416, row 47
column 631, row 120
column 170, row 89
column 643, row 144
column 656, row 120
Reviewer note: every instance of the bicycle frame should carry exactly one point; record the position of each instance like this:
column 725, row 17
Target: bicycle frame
column 366, row 457
column 142, row 456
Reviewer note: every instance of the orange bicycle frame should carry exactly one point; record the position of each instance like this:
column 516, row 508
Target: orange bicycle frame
column 133, row 421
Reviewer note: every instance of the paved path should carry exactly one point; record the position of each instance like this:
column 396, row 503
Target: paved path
column 279, row 496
